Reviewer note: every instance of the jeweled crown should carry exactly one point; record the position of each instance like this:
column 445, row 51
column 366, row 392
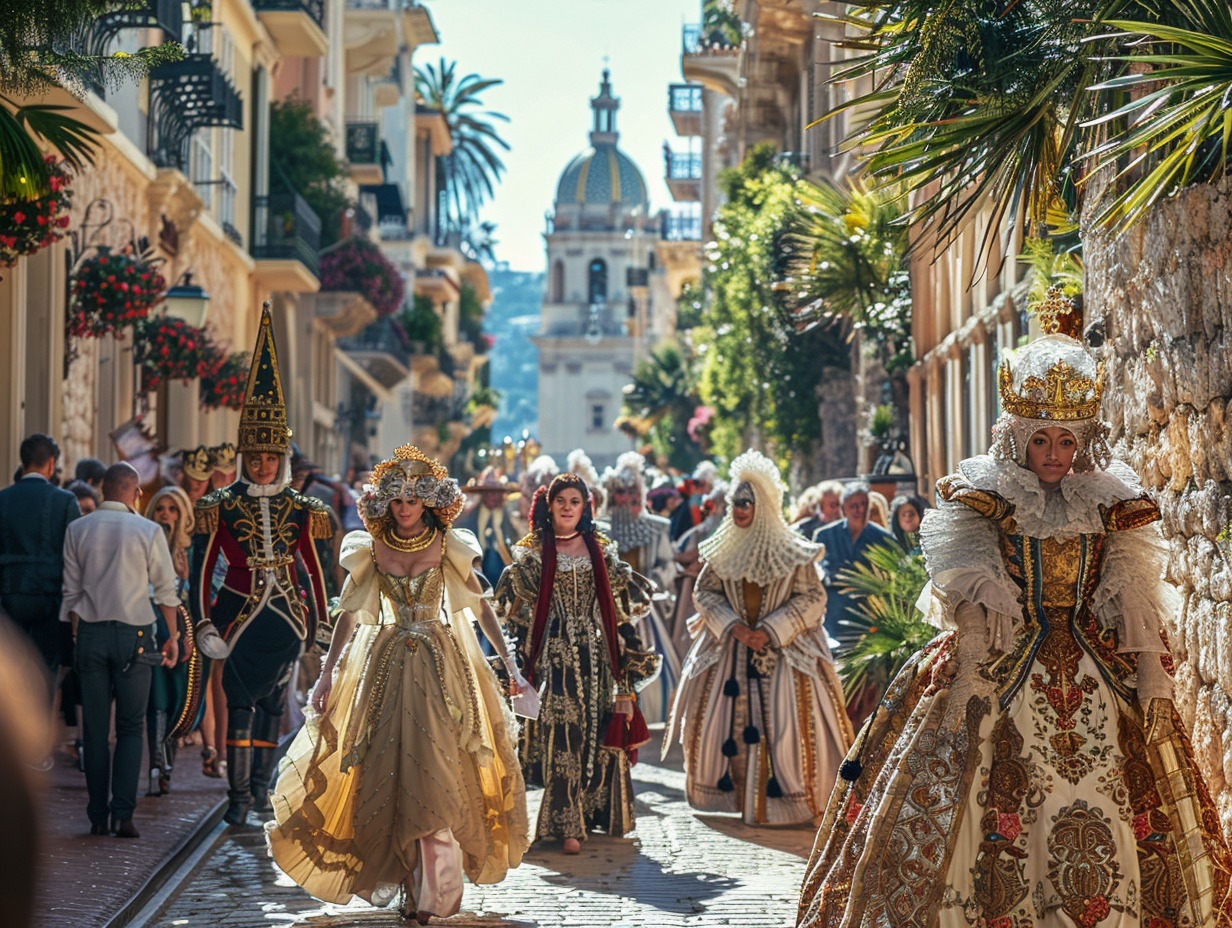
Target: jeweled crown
column 1063, row 393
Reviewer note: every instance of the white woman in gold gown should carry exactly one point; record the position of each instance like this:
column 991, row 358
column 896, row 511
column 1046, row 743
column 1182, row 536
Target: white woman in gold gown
column 405, row 776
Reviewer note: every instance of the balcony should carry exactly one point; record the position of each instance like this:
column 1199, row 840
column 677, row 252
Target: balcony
column 286, row 242
column 683, row 172
column 382, row 350
column 680, row 227
column 295, row 25
column 684, row 104
column 711, row 60
column 365, row 151
column 187, row 95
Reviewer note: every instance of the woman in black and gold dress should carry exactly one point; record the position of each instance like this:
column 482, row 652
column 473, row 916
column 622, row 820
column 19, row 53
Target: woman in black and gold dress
column 1028, row 767
column 564, row 598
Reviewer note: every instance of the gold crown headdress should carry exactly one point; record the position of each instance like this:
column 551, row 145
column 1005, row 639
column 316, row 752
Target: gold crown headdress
column 223, row 458
column 263, row 418
column 411, row 474
column 1063, row 393
column 196, row 463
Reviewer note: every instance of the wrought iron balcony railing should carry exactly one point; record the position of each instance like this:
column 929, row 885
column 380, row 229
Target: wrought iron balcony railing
column 285, row 227
column 185, row 96
column 695, row 41
column 684, row 98
column 680, row 227
column 682, row 165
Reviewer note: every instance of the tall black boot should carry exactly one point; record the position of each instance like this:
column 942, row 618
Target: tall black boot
column 264, row 745
column 239, row 765
column 156, row 737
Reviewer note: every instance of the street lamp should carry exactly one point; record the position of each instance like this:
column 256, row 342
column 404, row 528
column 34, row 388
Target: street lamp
column 187, row 301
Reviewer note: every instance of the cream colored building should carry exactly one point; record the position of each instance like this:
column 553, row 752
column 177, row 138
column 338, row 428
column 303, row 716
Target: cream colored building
column 184, row 162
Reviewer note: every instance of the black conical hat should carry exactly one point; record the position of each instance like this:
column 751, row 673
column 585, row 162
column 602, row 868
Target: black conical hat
column 263, row 420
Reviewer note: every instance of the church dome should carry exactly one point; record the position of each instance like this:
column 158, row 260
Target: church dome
column 601, row 175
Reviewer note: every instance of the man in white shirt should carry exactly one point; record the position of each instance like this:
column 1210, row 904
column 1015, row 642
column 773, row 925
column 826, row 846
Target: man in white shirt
column 112, row 561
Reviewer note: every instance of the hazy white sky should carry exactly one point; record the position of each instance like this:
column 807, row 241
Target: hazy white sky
column 550, row 55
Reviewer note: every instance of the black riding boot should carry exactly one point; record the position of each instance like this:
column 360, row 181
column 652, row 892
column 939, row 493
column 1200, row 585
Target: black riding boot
column 264, row 745
column 156, row 738
column 239, row 765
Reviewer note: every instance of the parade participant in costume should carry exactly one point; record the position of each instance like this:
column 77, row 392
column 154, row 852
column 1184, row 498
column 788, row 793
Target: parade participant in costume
column 645, row 545
column 578, row 462
column 1028, row 766
column 565, row 600
column 261, row 527
column 175, row 692
column 487, row 520
column 759, row 709
column 689, row 562
column 539, row 473
column 845, row 542
column 405, row 774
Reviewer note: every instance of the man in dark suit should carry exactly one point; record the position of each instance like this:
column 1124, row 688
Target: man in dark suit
column 34, row 514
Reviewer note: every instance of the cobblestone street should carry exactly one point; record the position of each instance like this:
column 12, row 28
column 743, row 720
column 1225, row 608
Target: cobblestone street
column 677, row 869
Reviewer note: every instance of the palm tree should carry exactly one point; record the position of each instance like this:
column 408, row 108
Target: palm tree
column 39, row 52
column 466, row 177
column 660, row 401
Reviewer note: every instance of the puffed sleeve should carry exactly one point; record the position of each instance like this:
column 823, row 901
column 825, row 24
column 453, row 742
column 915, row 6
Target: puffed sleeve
column 638, row 665
column 360, row 590
column 1132, row 596
column 804, row 609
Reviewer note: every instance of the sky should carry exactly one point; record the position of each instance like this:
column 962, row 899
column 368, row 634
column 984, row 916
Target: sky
column 550, row 54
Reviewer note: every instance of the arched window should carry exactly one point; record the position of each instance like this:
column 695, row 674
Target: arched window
column 597, row 281
column 556, row 290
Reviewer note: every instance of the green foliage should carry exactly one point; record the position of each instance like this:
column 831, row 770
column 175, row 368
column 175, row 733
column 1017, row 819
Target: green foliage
column 844, row 257
column 659, row 403
column 761, row 381
column 467, row 175
column 721, row 24
column 1051, row 266
column 689, row 306
column 1006, row 106
column 38, row 53
column 422, row 324
column 483, row 396
column 303, row 160
column 470, row 318
column 879, row 634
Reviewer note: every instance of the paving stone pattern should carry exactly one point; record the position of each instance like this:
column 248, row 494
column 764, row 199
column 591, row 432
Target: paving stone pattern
column 84, row 881
column 678, row 869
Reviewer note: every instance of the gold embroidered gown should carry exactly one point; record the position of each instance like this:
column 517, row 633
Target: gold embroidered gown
column 585, row 784
column 410, row 777
column 1010, row 778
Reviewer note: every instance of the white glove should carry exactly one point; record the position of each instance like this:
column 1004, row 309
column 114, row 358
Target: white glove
column 526, row 700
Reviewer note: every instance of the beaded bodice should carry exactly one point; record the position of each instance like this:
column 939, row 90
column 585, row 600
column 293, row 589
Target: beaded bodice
column 414, row 599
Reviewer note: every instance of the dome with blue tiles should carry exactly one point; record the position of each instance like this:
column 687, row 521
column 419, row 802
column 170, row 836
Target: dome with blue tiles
column 602, row 175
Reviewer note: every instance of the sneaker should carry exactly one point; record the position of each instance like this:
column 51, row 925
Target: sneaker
column 210, row 643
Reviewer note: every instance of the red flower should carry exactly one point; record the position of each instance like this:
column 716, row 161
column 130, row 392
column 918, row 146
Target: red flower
column 19, row 217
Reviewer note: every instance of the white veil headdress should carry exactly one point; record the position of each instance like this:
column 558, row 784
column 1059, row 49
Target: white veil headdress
column 768, row 549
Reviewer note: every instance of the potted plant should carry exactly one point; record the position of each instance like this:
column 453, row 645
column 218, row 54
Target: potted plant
column 28, row 225
column 222, row 387
column 113, row 289
column 357, row 265
column 171, row 349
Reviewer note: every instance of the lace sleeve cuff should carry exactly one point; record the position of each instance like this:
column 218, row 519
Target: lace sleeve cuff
column 1132, row 595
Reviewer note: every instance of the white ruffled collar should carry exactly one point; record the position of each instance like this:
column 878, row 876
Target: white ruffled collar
column 1070, row 509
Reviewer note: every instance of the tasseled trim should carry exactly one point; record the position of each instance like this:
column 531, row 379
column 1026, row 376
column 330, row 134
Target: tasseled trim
column 205, row 519
column 729, row 748
column 850, row 770
column 731, row 688
column 319, row 525
column 773, row 790
column 751, row 735
column 725, row 783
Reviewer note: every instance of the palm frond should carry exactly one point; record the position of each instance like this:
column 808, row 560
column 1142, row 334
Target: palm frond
column 884, row 629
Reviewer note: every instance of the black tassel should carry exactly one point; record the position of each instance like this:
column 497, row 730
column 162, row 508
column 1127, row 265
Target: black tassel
column 751, row 734
column 731, row 688
column 729, row 748
column 726, row 784
column 850, row 770
column 773, row 790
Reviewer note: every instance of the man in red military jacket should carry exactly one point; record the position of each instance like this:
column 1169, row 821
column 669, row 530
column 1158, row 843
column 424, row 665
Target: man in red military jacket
column 273, row 594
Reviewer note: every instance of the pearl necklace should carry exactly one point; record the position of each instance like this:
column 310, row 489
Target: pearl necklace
column 409, row 545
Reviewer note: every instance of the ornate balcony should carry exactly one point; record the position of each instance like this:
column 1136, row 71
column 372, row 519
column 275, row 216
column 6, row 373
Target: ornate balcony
column 297, row 26
column 680, row 227
column 683, row 172
column 185, row 96
column 684, row 104
column 710, row 60
column 286, row 242
column 366, row 153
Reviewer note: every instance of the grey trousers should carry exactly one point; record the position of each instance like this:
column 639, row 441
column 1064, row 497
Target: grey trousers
column 111, row 669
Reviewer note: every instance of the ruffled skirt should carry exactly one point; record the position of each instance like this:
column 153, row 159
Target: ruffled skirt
column 409, row 777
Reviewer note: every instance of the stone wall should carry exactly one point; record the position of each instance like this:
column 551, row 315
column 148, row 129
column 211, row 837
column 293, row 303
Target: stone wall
column 1164, row 294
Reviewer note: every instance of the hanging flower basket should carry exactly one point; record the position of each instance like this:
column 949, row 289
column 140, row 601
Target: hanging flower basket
column 28, row 225
column 113, row 289
column 171, row 349
column 357, row 265
column 223, row 387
